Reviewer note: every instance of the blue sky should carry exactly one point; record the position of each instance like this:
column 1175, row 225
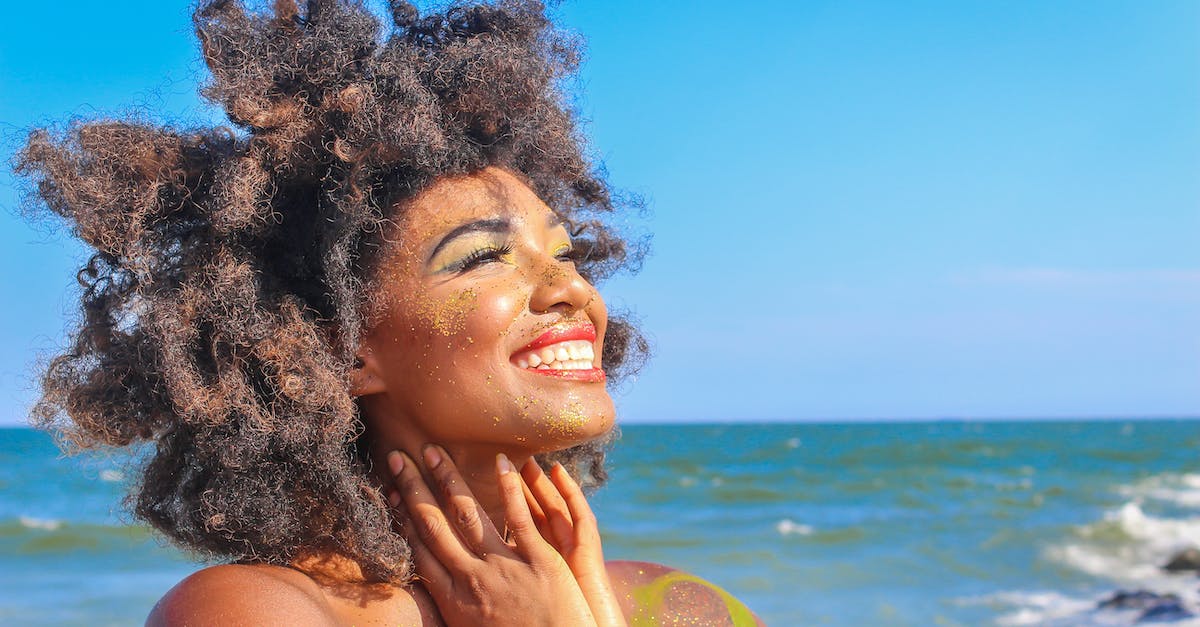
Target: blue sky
column 860, row 210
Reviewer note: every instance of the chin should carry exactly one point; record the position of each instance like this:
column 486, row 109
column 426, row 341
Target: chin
column 574, row 423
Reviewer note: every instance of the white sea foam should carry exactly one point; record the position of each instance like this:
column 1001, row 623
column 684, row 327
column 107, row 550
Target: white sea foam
column 1039, row 608
column 1053, row 609
column 1129, row 547
column 1182, row 490
column 789, row 527
column 793, row 443
column 45, row 524
column 112, row 475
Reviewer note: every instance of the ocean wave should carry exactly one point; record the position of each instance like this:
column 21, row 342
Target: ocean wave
column 1052, row 609
column 789, row 527
column 1182, row 490
column 44, row 524
column 1129, row 546
column 35, row 535
column 113, row 476
column 1033, row 608
column 1127, row 549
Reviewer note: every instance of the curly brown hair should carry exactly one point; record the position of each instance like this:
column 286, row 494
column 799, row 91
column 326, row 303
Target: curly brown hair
column 222, row 306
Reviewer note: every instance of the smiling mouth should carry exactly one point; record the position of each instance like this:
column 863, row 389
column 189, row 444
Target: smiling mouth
column 564, row 352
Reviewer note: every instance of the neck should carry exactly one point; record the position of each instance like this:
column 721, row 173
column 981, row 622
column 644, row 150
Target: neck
column 476, row 465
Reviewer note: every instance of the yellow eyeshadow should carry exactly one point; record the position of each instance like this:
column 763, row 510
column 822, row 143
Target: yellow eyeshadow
column 461, row 248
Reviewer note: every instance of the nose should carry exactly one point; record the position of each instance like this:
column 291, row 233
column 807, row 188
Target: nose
column 558, row 287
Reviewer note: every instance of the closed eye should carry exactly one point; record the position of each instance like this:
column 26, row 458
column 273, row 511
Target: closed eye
column 479, row 257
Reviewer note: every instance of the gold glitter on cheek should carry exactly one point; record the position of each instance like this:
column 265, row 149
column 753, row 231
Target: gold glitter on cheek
column 449, row 317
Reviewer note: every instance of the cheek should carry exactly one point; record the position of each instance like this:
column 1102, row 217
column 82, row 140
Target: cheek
column 492, row 318
column 446, row 316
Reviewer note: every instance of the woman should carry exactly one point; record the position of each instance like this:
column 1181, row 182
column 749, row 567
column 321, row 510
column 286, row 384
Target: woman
column 346, row 326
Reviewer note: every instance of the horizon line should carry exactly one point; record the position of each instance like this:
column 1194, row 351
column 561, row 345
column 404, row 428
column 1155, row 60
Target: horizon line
column 865, row 420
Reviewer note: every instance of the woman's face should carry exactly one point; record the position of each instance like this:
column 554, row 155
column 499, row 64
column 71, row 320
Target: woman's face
column 484, row 333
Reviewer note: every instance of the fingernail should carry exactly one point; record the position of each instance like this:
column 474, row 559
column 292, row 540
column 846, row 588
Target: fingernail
column 432, row 457
column 503, row 465
column 395, row 462
column 393, row 498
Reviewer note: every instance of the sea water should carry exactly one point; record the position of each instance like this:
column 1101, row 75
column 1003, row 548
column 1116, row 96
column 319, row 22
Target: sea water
column 1010, row 523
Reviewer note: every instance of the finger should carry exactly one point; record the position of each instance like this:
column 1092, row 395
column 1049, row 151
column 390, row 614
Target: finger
column 528, row 540
column 461, row 507
column 535, row 512
column 426, row 522
column 587, row 560
column 438, row 580
column 558, row 516
column 577, row 505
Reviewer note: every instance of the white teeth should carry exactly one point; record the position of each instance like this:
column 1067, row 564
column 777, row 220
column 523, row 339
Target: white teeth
column 569, row 355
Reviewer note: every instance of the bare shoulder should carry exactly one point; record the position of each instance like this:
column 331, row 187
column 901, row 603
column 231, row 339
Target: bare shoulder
column 653, row 594
column 243, row 594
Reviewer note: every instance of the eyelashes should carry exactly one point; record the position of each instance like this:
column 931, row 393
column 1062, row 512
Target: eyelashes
column 484, row 255
column 480, row 256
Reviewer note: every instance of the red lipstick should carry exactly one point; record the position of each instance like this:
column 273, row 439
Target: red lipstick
column 584, row 331
column 595, row 375
column 565, row 333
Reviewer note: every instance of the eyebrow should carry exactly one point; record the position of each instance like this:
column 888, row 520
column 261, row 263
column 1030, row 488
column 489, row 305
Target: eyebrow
column 495, row 225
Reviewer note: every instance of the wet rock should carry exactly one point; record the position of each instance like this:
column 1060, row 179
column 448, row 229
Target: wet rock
column 1187, row 559
column 1155, row 608
column 1166, row 612
column 1136, row 600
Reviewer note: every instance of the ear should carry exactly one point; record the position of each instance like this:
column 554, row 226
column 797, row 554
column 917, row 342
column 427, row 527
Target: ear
column 365, row 378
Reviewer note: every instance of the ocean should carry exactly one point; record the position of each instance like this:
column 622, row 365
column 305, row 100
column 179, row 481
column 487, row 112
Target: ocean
column 926, row 523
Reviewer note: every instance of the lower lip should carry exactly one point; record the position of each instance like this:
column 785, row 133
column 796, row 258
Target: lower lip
column 594, row 375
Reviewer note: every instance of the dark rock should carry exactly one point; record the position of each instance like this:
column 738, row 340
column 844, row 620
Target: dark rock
column 1166, row 612
column 1136, row 600
column 1187, row 559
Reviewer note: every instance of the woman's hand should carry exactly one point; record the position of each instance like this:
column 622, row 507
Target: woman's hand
column 474, row 576
column 564, row 518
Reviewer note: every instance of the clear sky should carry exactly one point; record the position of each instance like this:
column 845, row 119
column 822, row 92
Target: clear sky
column 859, row 209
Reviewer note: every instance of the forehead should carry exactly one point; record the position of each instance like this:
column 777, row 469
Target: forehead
column 452, row 202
